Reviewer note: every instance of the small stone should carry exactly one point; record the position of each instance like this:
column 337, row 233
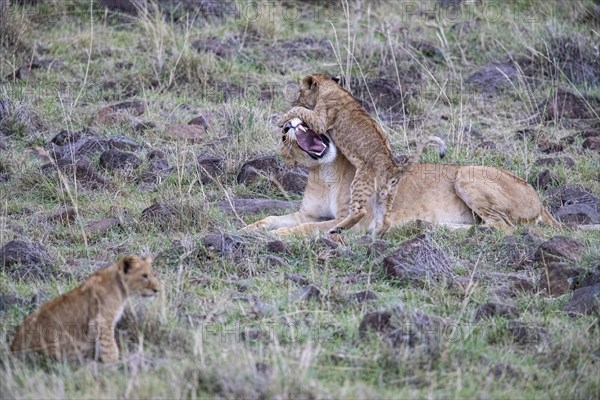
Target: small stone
column 558, row 278
column 278, row 247
column 24, row 253
column 592, row 143
column 585, row 301
column 307, row 293
column 360, row 297
column 297, row 279
column 489, row 310
column 559, row 248
column 200, row 121
column 189, row 133
column 116, row 159
column 526, row 334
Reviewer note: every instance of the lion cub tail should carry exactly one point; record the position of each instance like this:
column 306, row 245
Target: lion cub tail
column 429, row 139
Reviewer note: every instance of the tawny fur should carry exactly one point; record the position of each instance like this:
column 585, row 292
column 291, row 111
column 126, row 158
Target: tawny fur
column 325, row 106
column 452, row 195
column 80, row 323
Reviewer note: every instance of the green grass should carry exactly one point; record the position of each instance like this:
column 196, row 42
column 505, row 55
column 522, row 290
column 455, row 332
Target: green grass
column 188, row 343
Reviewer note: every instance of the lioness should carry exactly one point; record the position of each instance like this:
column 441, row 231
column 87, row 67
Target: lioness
column 453, row 195
column 80, row 322
column 324, row 106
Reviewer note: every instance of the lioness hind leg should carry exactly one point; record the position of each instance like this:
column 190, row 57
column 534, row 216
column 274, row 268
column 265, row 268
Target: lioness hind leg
column 360, row 192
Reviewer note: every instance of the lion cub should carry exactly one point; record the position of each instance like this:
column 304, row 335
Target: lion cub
column 325, row 106
column 80, row 323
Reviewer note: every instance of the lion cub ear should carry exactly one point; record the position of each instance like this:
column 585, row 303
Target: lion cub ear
column 127, row 263
column 340, row 80
column 309, row 81
column 148, row 259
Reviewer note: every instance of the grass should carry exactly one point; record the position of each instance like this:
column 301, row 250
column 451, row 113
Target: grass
column 229, row 327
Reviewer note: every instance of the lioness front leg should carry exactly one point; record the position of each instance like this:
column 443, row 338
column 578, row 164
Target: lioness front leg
column 309, row 228
column 281, row 221
column 315, row 120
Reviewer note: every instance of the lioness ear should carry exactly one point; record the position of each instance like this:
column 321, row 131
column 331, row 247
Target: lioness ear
column 148, row 259
column 339, row 79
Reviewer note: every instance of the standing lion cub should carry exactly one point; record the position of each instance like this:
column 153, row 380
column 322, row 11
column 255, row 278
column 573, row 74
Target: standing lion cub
column 80, row 323
column 325, row 106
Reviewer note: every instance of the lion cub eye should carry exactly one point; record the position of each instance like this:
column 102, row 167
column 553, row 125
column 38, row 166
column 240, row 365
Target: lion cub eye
column 145, row 276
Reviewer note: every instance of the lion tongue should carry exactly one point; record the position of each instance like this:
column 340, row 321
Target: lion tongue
column 310, row 141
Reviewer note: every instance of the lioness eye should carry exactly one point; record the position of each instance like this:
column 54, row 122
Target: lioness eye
column 145, row 276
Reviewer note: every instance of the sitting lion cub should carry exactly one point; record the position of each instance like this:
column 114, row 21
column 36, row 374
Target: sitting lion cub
column 325, row 106
column 80, row 322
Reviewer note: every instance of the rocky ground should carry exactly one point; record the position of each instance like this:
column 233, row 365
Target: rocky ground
column 150, row 130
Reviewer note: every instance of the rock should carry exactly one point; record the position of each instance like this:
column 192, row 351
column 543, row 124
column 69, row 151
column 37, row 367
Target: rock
column 66, row 137
column 559, row 248
column 112, row 160
column 255, row 206
column 188, row 133
column 545, row 145
column 589, row 278
column 360, row 297
column 376, row 321
column 278, row 247
column 83, row 170
column 504, row 371
column 490, row 310
column 494, row 77
column 63, row 215
column 85, row 146
column 418, row 259
column 275, row 261
column 293, row 181
column 224, row 245
column 520, row 285
column 156, row 155
column 117, row 113
column 210, row 168
column 568, row 105
column 552, row 161
column 19, row 252
column 544, row 179
column 9, row 300
column 592, row 143
column 101, row 226
column 526, row 334
column 307, row 293
column 558, row 278
column 219, row 47
column 127, row 6
column 262, row 309
column 579, row 214
column 252, row 170
column 123, row 143
column 585, row 301
column 200, row 121
column 156, row 211
column 574, row 205
column 404, row 328
column 297, row 279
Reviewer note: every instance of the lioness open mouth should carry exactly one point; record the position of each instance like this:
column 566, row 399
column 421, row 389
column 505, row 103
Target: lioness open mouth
column 312, row 143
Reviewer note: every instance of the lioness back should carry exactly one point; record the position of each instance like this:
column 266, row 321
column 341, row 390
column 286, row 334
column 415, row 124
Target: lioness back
column 77, row 323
